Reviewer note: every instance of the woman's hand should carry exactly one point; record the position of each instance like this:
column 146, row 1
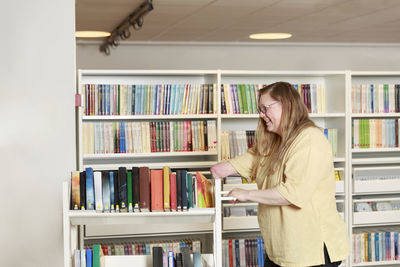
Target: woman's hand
column 239, row 194
column 222, row 169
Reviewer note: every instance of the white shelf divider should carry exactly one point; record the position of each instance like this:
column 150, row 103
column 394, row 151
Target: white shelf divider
column 150, row 117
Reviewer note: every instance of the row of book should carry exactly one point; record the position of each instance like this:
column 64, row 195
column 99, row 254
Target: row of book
column 243, row 98
column 138, row 248
column 243, row 252
column 92, row 257
column 375, row 98
column 140, row 190
column 146, row 99
column 235, row 143
column 339, row 175
column 371, row 246
column 147, row 137
column 241, row 211
column 375, row 133
column 332, row 136
column 368, row 206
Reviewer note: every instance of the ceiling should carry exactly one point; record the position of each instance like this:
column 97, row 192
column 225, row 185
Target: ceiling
column 358, row 21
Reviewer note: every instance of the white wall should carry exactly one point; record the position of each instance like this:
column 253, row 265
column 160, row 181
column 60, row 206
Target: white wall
column 244, row 56
column 37, row 139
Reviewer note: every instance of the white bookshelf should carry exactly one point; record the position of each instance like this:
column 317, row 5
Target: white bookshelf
column 338, row 115
column 373, row 161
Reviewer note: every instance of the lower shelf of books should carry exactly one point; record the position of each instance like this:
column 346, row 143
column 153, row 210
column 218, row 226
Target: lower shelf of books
column 205, row 260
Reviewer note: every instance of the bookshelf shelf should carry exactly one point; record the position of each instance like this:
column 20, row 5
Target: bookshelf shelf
column 94, row 218
column 149, row 117
column 375, row 115
column 369, row 150
column 376, row 263
column 256, row 116
column 374, row 160
column 148, row 155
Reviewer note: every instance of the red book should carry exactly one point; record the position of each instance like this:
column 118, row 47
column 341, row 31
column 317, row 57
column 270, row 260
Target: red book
column 189, row 134
column 172, row 184
column 157, row 196
column 230, row 254
column 144, row 184
column 152, row 137
column 185, row 136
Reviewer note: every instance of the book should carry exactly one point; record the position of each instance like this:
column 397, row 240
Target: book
column 156, row 183
column 129, row 189
column 136, row 188
column 204, row 191
column 106, row 191
column 98, row 191
column 90, row 201
column 173, row 193
column 144, row 183
column 157, row 257
column 122, row 189
column 186, row 261
column 82, row 189
column 184, row 189
column 75, row 190
column 166, row 187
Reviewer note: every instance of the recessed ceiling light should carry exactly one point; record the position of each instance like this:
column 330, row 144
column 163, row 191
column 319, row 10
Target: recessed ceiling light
column 91, row 34
column 270, row 36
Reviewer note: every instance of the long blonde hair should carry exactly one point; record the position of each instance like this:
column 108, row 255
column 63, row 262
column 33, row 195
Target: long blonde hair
column 270, row 148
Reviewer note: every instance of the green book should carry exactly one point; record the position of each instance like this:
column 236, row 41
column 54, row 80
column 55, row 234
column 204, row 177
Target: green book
column 253, row 99
column 175, row 136
column 367, row 134
column 248, row 99
column 158, row 137
column 386, row 97
column 97, row 252
column 239, row 91
column 244, row 99
column 129, row 189
column 189, row 190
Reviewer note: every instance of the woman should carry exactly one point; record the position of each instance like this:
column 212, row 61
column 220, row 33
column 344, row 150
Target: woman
column 292, row 164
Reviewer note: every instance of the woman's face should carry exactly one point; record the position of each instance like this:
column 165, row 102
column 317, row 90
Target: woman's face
column 271, row 113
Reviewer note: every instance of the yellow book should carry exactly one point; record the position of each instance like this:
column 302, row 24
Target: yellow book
column 167, row 204
column 226, row 97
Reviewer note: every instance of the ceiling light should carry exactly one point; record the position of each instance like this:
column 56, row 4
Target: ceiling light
column 91, row 34
column 270, row 36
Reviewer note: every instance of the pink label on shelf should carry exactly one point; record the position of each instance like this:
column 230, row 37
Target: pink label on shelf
column 78, row 100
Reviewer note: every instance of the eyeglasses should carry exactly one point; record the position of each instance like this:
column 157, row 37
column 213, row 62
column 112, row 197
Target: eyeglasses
column 264, row 109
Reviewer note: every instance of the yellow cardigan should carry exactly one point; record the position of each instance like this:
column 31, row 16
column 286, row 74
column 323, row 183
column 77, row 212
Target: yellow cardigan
column 294, row 235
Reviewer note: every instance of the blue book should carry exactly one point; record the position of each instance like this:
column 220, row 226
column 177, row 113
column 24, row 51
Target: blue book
column 89, row 257
column 184, row 190
column 372, row 97
column 369, row 246
column 169, row 99
column 396, row 245
column 180, row 99
column 165, row 111
column 173, row 97
column 197, row 262
column 376, row 246
column 237, row 255
column 144, row 106
column 136, row 102
column 190, row 190
column 133, row 99
column 89, row 189
column 112, row 201
column 154, row 111
column 159, row 96
column 147, row 247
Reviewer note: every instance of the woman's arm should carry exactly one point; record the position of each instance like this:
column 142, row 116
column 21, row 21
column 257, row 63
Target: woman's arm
column 268, row 196
column 222, row 169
